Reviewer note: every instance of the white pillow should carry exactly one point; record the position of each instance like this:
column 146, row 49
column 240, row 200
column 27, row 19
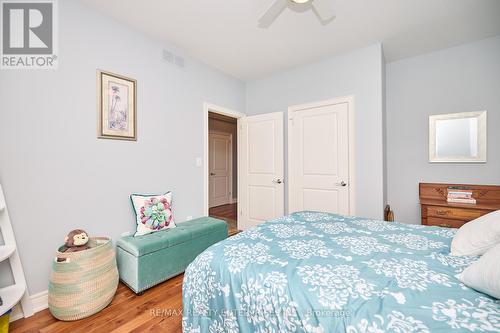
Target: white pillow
column 478, row 236
column 484, row 274
column 153, row 212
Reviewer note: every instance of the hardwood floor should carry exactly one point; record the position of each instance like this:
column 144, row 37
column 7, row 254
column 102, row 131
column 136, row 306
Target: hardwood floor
column 157, row 310
column 227, row 213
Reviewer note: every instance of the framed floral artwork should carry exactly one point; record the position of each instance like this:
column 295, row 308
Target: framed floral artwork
column 117, row 106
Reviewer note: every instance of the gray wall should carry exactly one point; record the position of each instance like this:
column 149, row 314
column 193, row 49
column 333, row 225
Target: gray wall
column 384, row 128
column 459, row 79
column 57, row 176
column 226, row 127
column 357, row 73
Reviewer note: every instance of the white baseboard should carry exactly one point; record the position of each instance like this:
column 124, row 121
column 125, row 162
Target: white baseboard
column 40, row 302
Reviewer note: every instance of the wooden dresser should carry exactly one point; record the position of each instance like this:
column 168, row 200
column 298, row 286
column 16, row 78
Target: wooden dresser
column 438, row 212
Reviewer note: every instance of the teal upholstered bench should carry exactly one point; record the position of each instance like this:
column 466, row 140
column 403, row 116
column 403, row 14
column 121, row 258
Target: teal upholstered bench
column 145, row 261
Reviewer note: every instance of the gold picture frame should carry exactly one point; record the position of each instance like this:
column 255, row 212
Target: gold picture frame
column 117, row 106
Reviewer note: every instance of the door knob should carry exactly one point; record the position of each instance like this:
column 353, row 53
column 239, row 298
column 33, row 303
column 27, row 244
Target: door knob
column 342, row 183
column 212, row 174
column 278, row 181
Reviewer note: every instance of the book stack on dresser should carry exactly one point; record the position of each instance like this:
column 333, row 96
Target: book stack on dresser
column 460, row 195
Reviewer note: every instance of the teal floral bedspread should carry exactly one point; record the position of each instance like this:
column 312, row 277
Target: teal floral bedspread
column 319, row 272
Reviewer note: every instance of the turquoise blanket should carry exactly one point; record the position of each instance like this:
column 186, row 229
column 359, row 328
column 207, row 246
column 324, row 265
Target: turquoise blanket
column 319, row 272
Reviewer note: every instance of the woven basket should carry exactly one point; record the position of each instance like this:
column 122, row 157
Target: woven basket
column 85, row 283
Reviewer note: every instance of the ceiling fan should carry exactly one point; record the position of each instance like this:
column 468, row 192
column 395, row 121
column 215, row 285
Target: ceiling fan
column 322, row 8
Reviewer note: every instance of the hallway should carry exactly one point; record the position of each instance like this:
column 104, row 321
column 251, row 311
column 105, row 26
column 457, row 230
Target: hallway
column 227, row 213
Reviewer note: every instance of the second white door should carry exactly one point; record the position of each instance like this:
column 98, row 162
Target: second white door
column 220, row 165
column 318, row 155
column 261, row 188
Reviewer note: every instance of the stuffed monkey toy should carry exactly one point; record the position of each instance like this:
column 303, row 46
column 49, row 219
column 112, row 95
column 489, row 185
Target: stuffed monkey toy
column 77, row 240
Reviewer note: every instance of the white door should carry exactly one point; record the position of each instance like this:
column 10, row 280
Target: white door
column 261, row 190
column 318, row 153
column 220, row 163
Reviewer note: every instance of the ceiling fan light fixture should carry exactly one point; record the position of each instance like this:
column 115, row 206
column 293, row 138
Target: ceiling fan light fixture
column 324, row 10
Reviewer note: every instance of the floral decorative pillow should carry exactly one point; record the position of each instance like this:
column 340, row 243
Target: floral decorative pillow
column 153, row 213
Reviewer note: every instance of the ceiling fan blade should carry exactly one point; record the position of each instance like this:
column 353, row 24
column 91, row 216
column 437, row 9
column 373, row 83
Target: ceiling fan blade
column 324, row 9
column 272, row 13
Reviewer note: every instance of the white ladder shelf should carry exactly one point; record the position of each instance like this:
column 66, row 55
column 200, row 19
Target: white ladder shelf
column 12, row 294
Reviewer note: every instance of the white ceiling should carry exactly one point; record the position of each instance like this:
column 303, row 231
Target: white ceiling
column 224, row 33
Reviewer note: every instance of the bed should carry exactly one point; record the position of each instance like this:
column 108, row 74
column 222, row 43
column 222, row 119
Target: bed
column 319, row 272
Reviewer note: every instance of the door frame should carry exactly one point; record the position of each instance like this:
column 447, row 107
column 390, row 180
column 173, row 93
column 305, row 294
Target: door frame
column 230, row 168
column 352, row 175
column 208, row 107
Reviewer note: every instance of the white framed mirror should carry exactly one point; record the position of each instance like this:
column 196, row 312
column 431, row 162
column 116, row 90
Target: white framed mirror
column 458, row 138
